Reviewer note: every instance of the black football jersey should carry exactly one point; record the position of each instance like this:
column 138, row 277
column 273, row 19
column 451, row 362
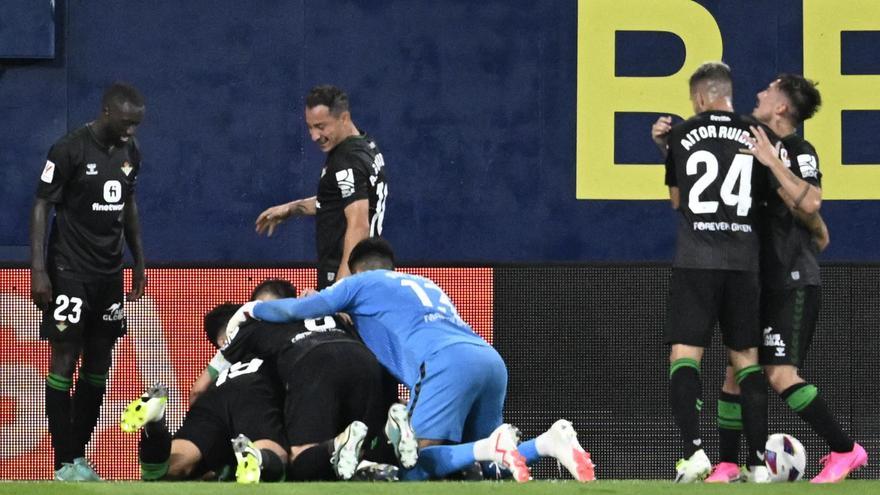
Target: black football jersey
column 354, row 170
column 282, row 345
column 89, row 185
column 788, row 253
column 720, row 189
column 243, row 394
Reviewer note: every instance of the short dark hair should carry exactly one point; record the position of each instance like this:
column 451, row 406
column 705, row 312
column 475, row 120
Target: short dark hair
column 803, row 95
column 277, row 287
column 716, row 74
column 374, row 250
column 120, row 93
column 216, row 320
column 330, row 96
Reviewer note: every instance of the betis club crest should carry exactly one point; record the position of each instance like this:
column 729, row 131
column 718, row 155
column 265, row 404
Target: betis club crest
column 126, row 168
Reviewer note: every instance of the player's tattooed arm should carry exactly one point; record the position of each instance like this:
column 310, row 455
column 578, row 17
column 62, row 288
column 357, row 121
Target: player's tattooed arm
column 660, row 133
column 136, row 246
column 817, row 227
column 274, row 216
column 798, row 193
column 41, row 287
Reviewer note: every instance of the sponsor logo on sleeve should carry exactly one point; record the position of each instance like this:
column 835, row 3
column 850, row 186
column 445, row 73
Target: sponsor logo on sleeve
column 48, row 172
column 345, row 180
column 808, row 165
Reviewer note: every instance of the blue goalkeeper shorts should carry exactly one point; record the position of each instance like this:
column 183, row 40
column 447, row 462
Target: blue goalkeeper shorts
column 460, row 394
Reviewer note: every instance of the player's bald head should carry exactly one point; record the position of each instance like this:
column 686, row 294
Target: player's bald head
column 713, row 81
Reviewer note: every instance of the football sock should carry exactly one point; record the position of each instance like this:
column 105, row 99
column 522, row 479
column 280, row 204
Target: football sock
column 685, row 399
column 439, row 461
column 533, row 450
column 272, row 468
column 58, row 414
column 87, row 400
column 803, row 398
column 753, row 394
column 313, row 464
column 729, row 427
column 154, row 450
column 529, row 450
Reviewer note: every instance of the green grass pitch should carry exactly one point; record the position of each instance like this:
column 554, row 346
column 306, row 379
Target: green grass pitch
column 434, row 488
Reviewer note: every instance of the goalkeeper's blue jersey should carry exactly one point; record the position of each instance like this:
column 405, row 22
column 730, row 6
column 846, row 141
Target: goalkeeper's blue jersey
column 402, row 318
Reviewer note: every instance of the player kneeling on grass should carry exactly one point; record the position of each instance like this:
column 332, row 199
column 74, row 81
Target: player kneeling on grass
column 244, row 404
column 329, row 390
column 336, row 398
column 456, row 379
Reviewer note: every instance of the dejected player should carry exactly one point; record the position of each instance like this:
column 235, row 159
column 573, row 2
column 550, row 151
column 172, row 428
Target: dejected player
column 89, row 179
column 350, row 204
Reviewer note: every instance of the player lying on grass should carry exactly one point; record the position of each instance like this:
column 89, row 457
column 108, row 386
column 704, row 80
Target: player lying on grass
column 246, row 403
column 332, row 384
column 317, row 410
column 457, row 381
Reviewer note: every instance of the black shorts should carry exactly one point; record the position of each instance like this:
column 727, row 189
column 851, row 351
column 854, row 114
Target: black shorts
column 81, row 310
column 334, row 384
column 249, row 404
column 700, row 298
column 788, row 319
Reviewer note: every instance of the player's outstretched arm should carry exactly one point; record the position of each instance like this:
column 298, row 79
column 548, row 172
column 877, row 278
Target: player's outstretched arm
column 136, row 246
column 41, row 287
column 274, row 216
column 285, row 310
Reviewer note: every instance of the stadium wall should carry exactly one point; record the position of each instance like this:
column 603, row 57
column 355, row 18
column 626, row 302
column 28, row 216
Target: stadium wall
column 581, row 342
column 491, row 115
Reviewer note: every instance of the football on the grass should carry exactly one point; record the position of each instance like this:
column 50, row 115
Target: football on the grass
column 785, row 457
